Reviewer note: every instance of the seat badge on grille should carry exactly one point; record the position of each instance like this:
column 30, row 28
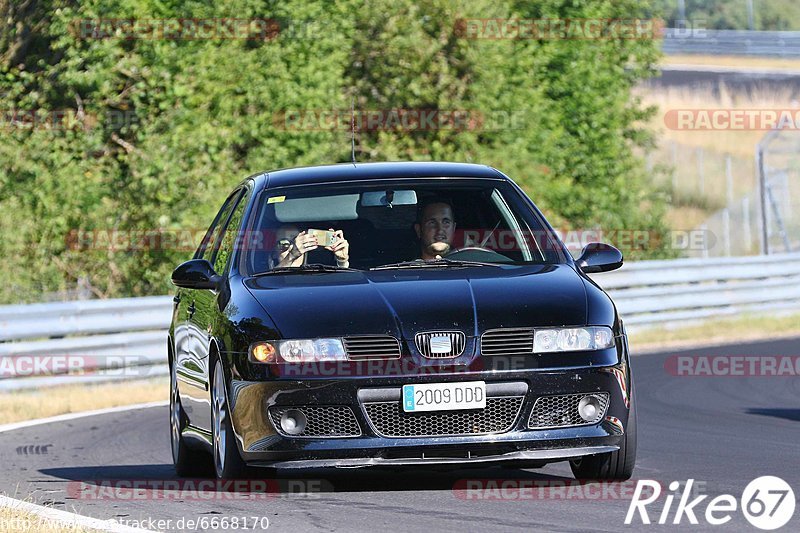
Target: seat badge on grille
column 441, row 344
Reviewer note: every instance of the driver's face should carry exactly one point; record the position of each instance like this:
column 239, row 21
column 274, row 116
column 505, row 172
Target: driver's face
column 435, row 230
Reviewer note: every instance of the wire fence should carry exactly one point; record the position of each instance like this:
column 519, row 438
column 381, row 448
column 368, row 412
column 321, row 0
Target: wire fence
column 745, row 206
column 778, row 159
column 713, row 194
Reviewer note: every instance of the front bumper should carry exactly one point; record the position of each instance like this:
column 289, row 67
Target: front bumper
column 533, row 456
column 262, row 444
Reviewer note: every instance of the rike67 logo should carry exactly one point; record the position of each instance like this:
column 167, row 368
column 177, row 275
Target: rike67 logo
column 767, row 503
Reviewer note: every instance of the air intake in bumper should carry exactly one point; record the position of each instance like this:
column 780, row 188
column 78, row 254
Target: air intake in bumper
column 564, row 410
column 324, row 421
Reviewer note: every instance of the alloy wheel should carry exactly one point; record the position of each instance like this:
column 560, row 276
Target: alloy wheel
column 219, row 415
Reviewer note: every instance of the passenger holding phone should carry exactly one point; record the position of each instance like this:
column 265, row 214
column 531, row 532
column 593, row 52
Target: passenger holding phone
column 292, row 247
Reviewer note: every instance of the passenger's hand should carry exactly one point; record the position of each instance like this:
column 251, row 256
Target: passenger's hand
column 303, row 244
column 340, row 246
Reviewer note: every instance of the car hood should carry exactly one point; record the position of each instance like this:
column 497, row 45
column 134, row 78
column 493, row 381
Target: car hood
column 404, row 302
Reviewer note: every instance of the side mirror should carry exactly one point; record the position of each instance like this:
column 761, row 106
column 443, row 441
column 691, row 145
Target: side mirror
column 599, row 257
column 196, row 274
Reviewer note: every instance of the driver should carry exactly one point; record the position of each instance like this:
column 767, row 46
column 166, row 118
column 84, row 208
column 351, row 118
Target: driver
column 292, row 246
column 435, row 227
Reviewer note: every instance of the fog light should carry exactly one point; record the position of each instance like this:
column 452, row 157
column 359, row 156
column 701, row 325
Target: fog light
column 293, row 422
column 588, row 408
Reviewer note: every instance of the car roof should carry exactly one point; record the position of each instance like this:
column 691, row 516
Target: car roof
column 369, row 171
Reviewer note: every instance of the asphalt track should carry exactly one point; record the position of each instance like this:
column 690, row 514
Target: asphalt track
column 721, row 431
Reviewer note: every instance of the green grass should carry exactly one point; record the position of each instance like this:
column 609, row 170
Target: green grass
column 744, row 327
column 38, row 403
column 733, row 61
column 14, row 520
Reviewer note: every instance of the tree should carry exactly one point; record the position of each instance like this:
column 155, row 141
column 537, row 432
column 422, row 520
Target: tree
column 109, row 137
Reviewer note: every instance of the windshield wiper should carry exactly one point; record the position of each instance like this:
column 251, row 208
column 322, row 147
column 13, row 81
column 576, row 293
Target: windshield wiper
column 434, row 263
column 304, row 269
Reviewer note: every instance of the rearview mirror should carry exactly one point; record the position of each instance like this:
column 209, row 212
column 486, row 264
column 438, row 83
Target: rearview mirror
column 388, row 198
column 599, row 257
column 196, row 274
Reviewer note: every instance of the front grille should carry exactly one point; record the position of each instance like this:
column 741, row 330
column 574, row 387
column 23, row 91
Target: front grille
column 440, row 344
column 372, row 346
column 507, row 342
column 562, row 411
column 389, row 419
column 322, row 421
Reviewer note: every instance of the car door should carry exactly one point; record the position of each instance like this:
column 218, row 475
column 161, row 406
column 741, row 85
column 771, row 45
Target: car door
column 180, row 333
column 192, row 358
column 207, row 307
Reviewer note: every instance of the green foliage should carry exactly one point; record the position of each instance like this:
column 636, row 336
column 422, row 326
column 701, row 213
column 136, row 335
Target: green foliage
column 158, row 131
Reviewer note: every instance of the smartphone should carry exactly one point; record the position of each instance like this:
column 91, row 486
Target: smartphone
column 324, row 237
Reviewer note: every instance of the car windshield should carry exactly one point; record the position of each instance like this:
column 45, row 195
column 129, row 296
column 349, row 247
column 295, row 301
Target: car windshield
column 396, row 224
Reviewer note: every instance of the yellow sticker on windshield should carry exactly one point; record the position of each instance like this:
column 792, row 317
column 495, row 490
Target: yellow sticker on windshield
column 276, row 199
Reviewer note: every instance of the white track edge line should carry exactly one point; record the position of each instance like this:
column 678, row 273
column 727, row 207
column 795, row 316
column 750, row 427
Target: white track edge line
column 81, row 414
column 67, row 518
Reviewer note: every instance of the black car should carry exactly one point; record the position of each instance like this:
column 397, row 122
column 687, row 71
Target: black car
column 395, row 314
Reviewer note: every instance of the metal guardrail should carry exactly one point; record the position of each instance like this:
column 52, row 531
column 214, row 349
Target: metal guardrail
column 86, row 317
column 654, row 293
column 104, row 339
column 732, row 42
column 126, row 338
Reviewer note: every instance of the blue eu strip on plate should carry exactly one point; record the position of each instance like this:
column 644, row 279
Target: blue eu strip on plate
column 408, row 397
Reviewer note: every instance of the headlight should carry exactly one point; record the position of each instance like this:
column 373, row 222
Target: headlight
column 572, row 339
column 298, row 351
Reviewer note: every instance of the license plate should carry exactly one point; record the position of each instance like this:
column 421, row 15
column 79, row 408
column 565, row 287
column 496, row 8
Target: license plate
column 444, row 396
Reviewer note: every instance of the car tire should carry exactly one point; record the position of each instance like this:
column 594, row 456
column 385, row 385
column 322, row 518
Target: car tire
column 187, row 461
column 618, row 465
column 228, row 463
